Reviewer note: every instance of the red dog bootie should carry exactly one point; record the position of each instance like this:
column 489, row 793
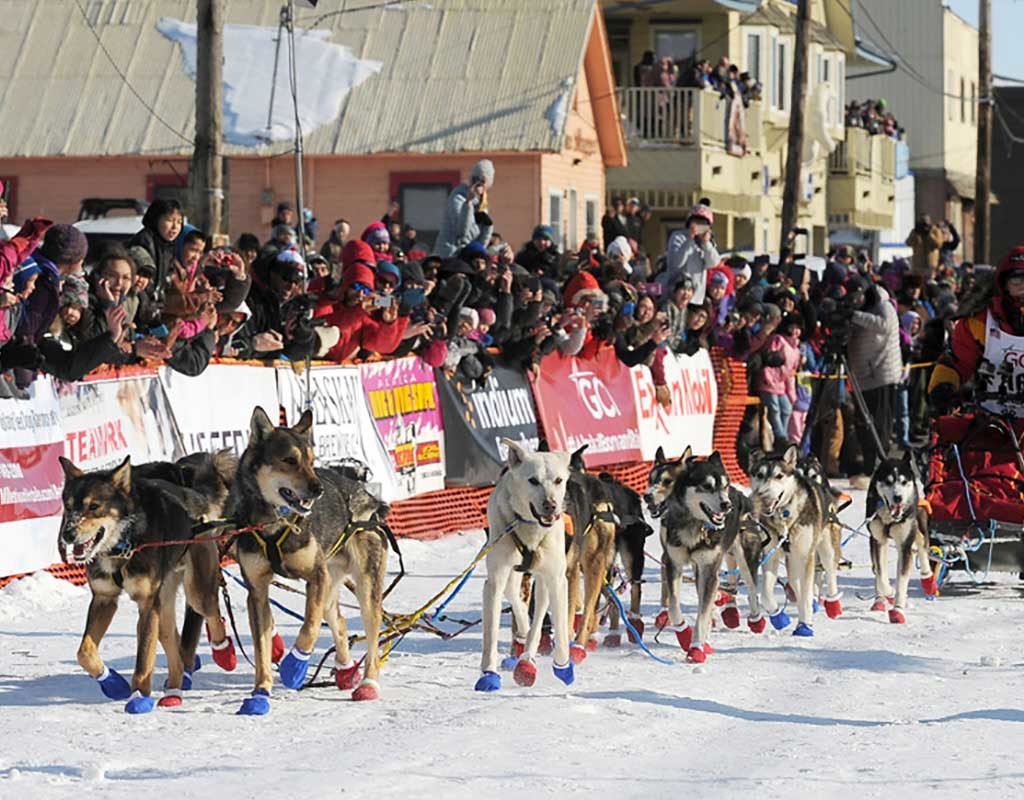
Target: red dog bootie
column 757, row 624
column 577, row 620
column 171, row 699
column 896, row 616
column 591, row 644
column 684, row 636
column 276, row 648
column 731, row 616
column 696, row 655
column 661, row 621
column 369, row 689
column 708, row 649
column 638, row 626
column 546, row 645
column 834, row 606
column 223, row 652
column 930, row 586
column 518, row 648
column 612, row 639
column 577, row 653
column 525, row 673
column 723, row 599
column 346, row 675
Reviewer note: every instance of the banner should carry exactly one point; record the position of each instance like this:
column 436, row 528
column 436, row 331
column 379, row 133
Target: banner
column 403, row 403
column 342, row 427
column 104, row 421
column 589, row 402
column 31, row 478
column 212, row 410
column 691, row 419
column 476, row 420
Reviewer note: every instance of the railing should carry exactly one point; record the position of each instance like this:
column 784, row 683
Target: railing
column 659, row 116
column 864, row 154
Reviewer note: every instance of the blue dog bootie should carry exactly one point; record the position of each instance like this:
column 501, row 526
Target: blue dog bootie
column 779, row 620
column 186, row 681
column 803, row 629
column 139, row 703
column 113, row 684
column 256, row 705
column 488, row 682
column 293, row 668
column 566, row 674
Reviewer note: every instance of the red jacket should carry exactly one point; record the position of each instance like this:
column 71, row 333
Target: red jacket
column 362, row 330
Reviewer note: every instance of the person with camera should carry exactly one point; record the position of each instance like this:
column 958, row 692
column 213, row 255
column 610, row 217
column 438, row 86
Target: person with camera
column 926, row 241
column 691, row 251
column 466, row 217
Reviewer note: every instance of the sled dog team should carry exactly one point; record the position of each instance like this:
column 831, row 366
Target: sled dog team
column 142, row 530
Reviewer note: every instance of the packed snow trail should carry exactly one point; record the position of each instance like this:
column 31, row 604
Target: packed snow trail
column 864, row 709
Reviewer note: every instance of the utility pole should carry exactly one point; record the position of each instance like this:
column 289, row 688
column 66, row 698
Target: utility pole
column 982, row 229
column 207, row 163
column 794, row 152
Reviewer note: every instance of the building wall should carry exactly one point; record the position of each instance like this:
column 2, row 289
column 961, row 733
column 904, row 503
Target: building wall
column 960, row 124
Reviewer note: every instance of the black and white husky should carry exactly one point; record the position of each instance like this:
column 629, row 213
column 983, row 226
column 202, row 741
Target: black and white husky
column 893, row 498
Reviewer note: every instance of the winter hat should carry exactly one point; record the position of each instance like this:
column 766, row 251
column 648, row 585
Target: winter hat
column 487, row 316
column 357, row 272
column 743, row 272
column 23, row 273
column 412, row 272
column 389, row 272
column 791, row 319
column 908, row 318
column 470, row 316
column 144, row 264
column 474, row 250
column 286, row 206
column 543, row 232
column 290, row 256
column 619, row 247
column 376, row 233
column 483, row 170
column 356, row 251
column 719, row 278
column 581, row 287
column 74, row 291
column 772, row 311
column 703, row 213
column 64, row 244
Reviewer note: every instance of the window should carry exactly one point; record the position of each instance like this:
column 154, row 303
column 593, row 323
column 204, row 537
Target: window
column 754, row 55
column 974, row 103
column 779, row 88
column 10, row 194
column 423, row 197
column 679, row 44
column 555, row 215
column 618, row 44
column 591, row 216
column 572, row 241
column 963, row 100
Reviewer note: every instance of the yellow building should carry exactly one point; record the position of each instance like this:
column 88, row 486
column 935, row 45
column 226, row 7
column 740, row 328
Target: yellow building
column 688, row 143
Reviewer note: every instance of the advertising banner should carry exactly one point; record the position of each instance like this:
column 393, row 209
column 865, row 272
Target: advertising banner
column 31, row 478
column 477, row 419
column 691, row 419
column 589, row 402
column 212, row 410
column 401, row 396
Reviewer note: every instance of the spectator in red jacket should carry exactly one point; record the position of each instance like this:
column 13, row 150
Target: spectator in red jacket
column 354, row 324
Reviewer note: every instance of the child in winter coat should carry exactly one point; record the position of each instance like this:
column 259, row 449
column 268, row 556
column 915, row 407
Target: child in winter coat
column 804, row 390
column 910, row 348
column 776, row 384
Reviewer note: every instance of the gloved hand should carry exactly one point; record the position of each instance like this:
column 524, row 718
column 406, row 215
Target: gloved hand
column 14, row 355
column 942, row 398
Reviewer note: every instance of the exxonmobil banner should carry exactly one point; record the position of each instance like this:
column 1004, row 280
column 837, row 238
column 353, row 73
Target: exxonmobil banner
column 589, row 402
column 690, row 421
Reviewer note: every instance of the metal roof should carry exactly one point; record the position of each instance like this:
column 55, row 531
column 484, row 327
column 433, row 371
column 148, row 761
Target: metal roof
column 457, row 75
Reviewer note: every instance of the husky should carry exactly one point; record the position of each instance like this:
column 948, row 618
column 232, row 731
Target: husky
column 795, row 512
column 894, row 497
column 835, row 500
column 526, row 534
column 701, row 514
column 318, row 526
column 114, row 523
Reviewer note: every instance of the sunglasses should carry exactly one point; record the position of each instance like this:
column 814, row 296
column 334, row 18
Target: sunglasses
column 362, row 288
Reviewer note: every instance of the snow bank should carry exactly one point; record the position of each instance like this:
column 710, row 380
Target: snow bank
column 36, row 594
column 327, row 72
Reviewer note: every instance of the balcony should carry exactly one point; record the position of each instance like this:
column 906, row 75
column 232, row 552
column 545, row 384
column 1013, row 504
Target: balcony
column 861, row 182
column 683, row 147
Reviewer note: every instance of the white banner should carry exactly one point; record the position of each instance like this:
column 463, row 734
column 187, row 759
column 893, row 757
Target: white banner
column 691, row 419
column 212, row 410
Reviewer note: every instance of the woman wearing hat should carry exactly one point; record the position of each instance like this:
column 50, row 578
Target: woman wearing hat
column 465, row 216
column 691, row 251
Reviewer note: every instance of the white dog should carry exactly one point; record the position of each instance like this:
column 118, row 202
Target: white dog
column 527, row 534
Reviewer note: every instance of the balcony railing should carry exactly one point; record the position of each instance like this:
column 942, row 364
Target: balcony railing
column 864, row 154
column 674, row 116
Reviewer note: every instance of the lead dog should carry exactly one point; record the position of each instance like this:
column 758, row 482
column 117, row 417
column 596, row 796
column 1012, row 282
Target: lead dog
column 526, row 533
column 795, row 512
column 894, row 495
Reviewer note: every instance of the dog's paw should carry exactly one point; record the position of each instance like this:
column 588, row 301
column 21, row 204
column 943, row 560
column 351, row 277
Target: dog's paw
column 723, row 599
column 525, row 673
column 369, row 689
column 613, row 639
column 684, row 636
column 546, row 644
column 757, row 624
column 518, row 647
column 346, row 676
column 879, row 604
column 638, row 626
column 731, row 616
column 708, row 649
column 139, row 703
column 834, row 607
column 113, row 684
column 293, row 668
column 186, row 681
column 197, row 663
column 661, row 621
column 930, row 586
column 696, row 655
column 779, row 620
column 224, row 654
column 566, row 674
column 256, row 705
column 488, row 682
column 577, row 653
column 815, row 605
column 803, row 629
column 896, row 616
column 171, row 699
column 509, row 663
column 276, row 648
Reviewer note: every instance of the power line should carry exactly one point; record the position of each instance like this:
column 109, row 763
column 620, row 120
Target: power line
column 124, row 78
column 392, row 3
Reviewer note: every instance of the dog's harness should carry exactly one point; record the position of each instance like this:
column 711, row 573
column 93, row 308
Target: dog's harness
column 525, row 552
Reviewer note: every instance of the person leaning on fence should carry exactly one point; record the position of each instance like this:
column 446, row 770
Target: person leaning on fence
column 161, row 225
column 466, row 217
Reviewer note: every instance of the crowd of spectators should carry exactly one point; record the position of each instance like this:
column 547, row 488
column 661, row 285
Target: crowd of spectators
column 697, row 73
column 874, row 117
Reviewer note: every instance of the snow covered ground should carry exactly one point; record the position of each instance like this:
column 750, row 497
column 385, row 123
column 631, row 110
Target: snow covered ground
column 864, row 709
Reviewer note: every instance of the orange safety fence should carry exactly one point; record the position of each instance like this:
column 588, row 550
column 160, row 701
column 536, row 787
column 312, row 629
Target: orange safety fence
column 437, row 514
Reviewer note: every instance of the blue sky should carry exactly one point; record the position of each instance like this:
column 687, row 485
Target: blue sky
column 1007, row 24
